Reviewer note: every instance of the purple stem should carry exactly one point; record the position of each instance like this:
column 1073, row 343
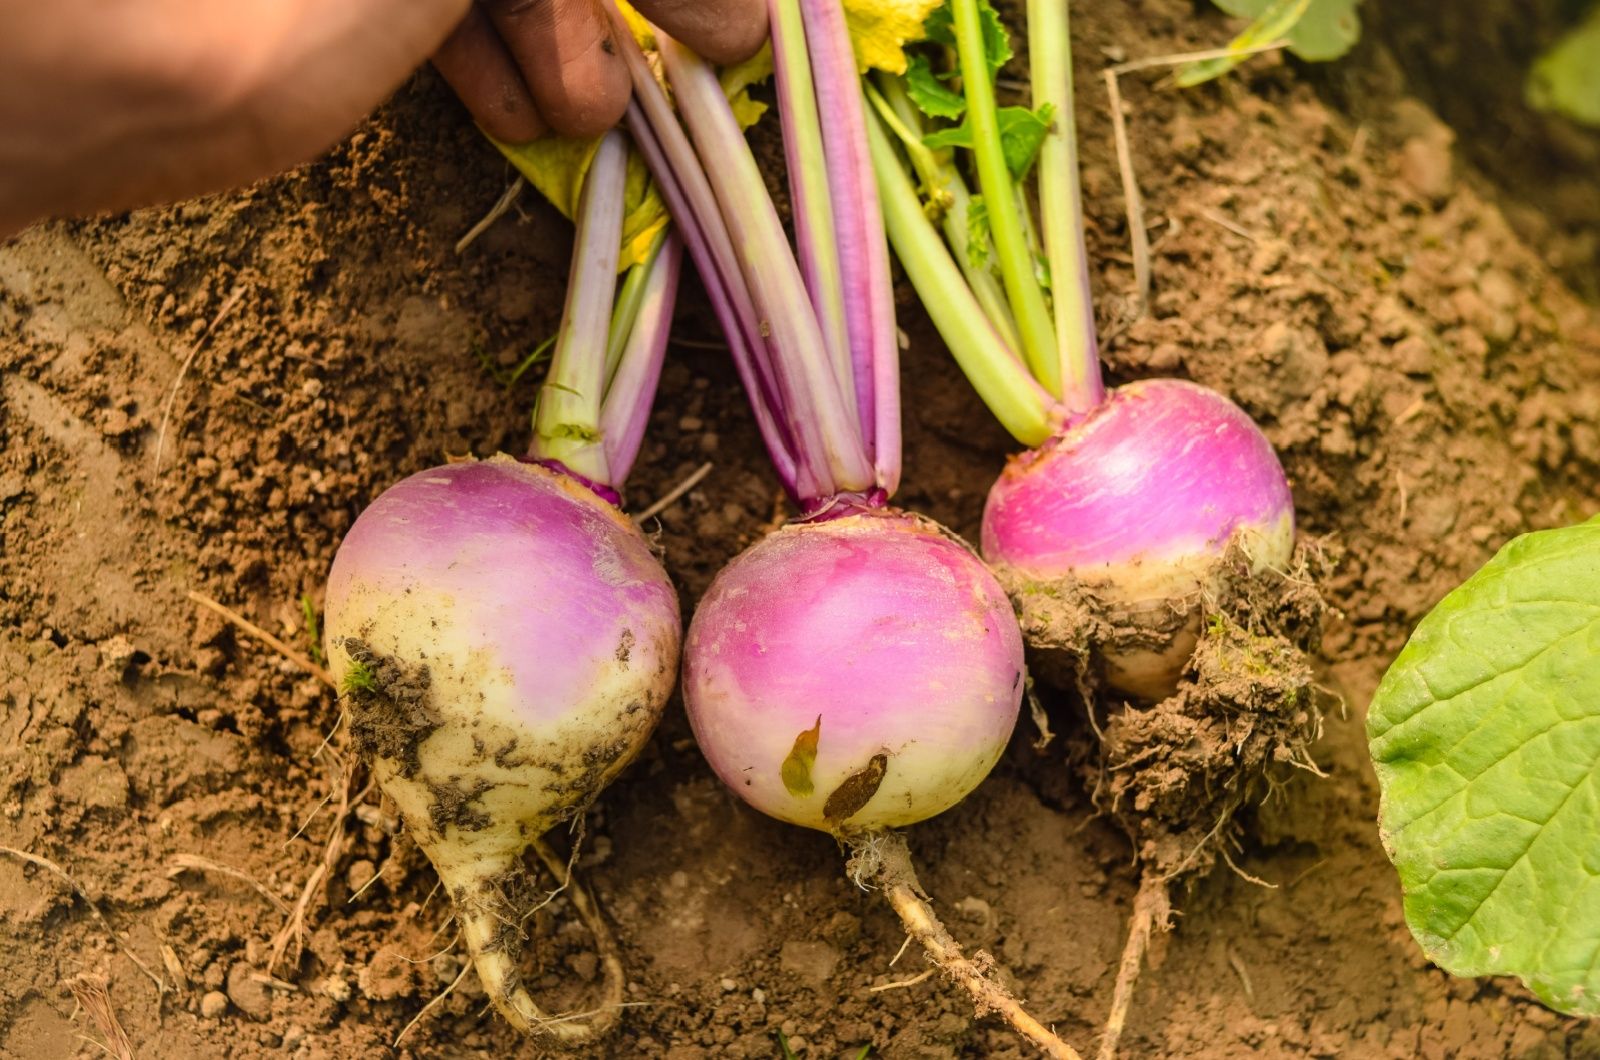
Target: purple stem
column 626, row 411
column 693, row 206
column 830, row 451
column 730, row 301
column 859, row 229
column 810, row 194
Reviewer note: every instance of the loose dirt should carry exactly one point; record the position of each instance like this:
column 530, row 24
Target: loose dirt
column 1341, row 271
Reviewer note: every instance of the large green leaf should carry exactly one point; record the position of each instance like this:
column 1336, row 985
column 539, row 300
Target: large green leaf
column 1486, row 737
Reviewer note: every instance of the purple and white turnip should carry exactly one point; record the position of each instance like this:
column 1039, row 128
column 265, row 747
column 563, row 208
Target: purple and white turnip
column 504, row 634
column 858, row 670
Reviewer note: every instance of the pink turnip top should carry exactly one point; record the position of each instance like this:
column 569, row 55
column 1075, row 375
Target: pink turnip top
column 1162, row 468
column 521, row 555
column 880, row 625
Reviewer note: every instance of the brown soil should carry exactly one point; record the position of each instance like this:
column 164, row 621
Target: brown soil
column 1429, row 381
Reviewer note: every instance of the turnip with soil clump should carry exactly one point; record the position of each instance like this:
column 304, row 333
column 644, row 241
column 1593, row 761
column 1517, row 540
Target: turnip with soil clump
column 505, row 636
column 1147, row 536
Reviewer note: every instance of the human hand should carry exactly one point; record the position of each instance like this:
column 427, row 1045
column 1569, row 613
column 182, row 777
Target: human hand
column 524, row 67
column 107, row 106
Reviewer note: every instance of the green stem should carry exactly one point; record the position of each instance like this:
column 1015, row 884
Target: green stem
column 951, row 200
column 1061, row 207
column 994, row 180
column 1015, row 397
column 567, row 420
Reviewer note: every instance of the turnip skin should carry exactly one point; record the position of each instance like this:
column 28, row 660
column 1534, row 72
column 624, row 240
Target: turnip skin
column 525, row 640
column 1137, row 502
column 886, row 628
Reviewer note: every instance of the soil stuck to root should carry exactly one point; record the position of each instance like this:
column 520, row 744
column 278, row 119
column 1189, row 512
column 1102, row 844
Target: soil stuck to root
column 1175, row 774
column 1428, row 382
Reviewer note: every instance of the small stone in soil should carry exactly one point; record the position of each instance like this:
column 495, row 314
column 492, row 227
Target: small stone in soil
column 244, row 991
column 213, row 1005
column 360, row 874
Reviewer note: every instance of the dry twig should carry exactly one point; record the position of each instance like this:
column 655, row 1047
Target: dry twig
column 93, row 995
column 294, row 927
column 178, row 864
column 675, row 493
column 183, row 370
column 262, row 635
column 498, row 210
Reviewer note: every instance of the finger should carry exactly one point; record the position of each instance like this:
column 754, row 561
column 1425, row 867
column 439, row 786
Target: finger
column 477, row 65
column 569, row 59
column 723, row 31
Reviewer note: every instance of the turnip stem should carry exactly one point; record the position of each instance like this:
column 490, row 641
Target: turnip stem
column 491, row 925
column 951, row 198
column 689, row 199
column 1017, row 266
column 830, row 452
column 630, row 296
column 567, row 421
column 1014, row 396
column 816, row 241
column 626, row 411
column 1061, row 207
column 863, row 248
column 899, row 882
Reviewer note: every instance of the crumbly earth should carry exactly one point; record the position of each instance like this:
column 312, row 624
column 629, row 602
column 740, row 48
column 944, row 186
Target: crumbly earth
column 202, row 397
column 1177, row 773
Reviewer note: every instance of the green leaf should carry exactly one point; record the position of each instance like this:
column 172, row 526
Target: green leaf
column 1327, row 30
column 1566, row 79
column 1317, row 31
column 929, row 94
column 941, row 29
column 312, row 630
column 796, row 768
column 1486, row 738
column 1022, row 133
column 359, row 678
column 880, row 30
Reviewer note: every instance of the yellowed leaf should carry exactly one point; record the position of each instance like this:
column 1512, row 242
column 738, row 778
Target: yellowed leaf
column 881, row 29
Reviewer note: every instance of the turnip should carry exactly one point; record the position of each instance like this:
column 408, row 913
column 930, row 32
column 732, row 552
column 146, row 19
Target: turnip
column 505, row 635
column 858, row 670
column 1147, row 536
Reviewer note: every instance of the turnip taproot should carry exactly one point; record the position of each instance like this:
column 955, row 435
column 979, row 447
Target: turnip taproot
column 505, row 636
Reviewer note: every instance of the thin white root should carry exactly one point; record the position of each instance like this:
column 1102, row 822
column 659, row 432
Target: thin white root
column 1151, row 909
column 491, row 925
column 905, row 894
